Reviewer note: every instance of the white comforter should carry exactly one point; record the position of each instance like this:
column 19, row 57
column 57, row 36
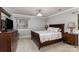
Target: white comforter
column 49, row 35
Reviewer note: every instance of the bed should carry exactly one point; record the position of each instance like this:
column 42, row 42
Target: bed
column 35, row 36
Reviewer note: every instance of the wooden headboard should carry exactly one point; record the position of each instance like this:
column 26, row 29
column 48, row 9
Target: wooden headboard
column 61, row 26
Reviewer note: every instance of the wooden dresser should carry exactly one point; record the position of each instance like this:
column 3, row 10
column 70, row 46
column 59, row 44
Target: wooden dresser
column 71, row 39
column 8, row 41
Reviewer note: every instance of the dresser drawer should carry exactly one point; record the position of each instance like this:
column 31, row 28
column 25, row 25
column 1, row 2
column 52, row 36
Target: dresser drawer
column 8, row 41
column 69, row 38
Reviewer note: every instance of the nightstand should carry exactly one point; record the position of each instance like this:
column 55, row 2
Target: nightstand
column 71, row 38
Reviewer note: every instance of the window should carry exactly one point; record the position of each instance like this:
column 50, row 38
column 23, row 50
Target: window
column 22, row 23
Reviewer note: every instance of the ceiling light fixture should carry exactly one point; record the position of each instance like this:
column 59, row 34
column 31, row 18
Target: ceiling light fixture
column 39, row 13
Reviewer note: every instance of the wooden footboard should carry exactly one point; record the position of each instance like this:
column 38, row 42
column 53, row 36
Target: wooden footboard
column 35, row 37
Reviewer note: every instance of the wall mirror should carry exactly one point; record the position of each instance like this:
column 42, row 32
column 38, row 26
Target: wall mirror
column 3, row 15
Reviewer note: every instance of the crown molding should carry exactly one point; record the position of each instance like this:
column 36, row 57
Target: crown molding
column 20, row 15
column 63, row 11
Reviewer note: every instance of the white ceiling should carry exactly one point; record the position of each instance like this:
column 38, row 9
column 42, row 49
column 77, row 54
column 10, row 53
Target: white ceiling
column 32, row 11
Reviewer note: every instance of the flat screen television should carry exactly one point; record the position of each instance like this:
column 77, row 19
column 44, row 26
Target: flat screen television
column 9, row 24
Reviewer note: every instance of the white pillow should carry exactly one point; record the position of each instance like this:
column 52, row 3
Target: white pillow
column 54, row 29
column 50, row 29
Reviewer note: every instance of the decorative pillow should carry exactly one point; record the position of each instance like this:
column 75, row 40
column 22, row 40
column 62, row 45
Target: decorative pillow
column 59, row 30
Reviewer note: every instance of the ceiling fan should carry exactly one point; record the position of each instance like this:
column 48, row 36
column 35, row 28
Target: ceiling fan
column 39, row 13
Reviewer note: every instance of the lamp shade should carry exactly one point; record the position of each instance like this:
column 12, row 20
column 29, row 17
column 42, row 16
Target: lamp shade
column 71, row 25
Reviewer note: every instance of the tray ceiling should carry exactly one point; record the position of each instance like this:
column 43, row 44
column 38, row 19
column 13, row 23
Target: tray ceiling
column 32, row 11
